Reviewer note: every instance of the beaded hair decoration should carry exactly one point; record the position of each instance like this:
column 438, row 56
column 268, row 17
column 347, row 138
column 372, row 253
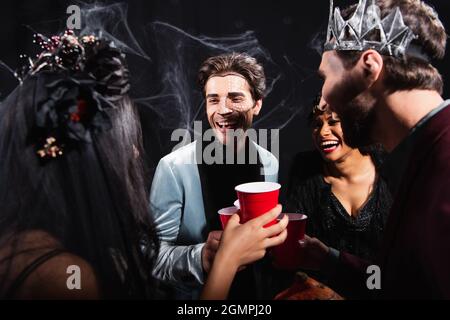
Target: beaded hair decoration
column 83, row 77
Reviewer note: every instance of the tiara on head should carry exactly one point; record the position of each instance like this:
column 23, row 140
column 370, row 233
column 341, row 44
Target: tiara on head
column 394, row 37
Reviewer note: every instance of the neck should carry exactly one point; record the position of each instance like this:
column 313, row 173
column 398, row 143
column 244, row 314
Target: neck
column 397, row 113
column 239, row 143
column 350, row 166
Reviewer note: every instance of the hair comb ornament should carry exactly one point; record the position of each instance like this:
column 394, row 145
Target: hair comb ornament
column 50, row 149
column 393, row 37
column 83, row 77
column 65, row 52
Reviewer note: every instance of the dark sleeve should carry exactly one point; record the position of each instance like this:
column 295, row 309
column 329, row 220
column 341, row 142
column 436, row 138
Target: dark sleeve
column 433, row 249
column 349, row 277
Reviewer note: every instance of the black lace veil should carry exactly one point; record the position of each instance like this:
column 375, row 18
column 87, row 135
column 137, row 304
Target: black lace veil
column 90, row 195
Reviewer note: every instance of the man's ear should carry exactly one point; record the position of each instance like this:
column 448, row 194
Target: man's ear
column 372, row 63
column 257, row 108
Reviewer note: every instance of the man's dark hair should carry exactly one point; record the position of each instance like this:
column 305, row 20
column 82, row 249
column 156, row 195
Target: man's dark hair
column 239, row 63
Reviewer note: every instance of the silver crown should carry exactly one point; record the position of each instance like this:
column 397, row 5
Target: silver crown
column 393, row 36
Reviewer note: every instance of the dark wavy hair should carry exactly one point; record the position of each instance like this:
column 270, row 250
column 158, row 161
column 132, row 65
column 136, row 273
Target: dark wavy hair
column 240, row 63
column 92, row 199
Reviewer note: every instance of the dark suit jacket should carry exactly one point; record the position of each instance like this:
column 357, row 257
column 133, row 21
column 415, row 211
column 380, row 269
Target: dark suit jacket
column 415, row 256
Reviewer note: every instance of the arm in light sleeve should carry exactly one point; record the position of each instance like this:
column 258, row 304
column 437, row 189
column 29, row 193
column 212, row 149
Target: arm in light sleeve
column 180, row 265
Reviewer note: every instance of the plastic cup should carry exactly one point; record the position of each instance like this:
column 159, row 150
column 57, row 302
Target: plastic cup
column 256, row 198
column 288, row 256
column 226, row 213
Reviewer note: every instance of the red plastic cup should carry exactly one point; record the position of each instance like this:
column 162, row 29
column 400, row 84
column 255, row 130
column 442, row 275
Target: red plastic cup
column 256, row 198
column 287, row 256
column 226, row 213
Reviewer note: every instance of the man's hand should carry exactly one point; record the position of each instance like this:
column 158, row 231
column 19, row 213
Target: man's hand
column 210, row 248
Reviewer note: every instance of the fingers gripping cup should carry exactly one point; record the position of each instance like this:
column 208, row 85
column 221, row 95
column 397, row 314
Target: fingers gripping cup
column 226, row 213
column 287, row 256
column 256, row 198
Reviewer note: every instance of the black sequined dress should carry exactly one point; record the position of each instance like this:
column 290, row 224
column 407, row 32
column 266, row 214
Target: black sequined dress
column 328, row 220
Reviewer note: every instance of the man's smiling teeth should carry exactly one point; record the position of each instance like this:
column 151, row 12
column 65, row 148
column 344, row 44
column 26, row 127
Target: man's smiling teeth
column 225, row 124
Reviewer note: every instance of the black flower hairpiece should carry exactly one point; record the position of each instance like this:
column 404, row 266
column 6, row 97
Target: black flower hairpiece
column 71, row 110
column 84, row 76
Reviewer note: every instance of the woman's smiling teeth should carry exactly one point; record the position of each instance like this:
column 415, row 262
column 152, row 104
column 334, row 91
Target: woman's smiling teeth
column 329, row 145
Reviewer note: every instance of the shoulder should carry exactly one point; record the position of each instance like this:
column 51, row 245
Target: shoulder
column 175, row 170
column 436, row 135
column 181, row 156
column 443, row 142
column 432, row 146
column 64, row 276
column 50, row 273
column 438, row 157
column 181, row 153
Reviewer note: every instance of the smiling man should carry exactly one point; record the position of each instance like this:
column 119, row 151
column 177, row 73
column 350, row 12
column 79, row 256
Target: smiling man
column 230, row 104
column 186, row 195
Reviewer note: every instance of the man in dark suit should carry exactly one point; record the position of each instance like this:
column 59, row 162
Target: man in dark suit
column 379, row 78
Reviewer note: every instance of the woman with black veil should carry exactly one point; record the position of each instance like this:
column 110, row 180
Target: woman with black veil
column 72, row 189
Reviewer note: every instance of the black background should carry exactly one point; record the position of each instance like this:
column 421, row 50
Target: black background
column 284, row 28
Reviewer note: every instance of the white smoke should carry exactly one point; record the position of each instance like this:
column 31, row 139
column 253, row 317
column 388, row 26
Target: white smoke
column 164, row 61
column 178, row 55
